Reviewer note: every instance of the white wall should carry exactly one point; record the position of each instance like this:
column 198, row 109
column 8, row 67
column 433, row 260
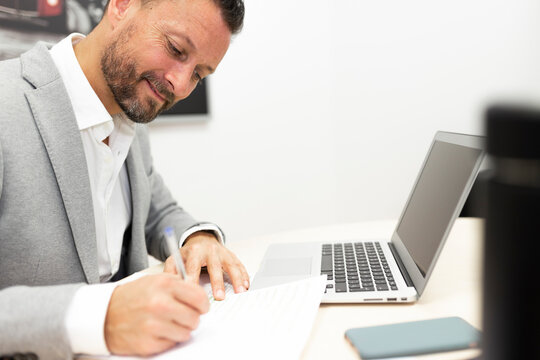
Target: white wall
column 322, row 110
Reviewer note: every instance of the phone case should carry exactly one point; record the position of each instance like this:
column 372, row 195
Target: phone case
column 413, row 338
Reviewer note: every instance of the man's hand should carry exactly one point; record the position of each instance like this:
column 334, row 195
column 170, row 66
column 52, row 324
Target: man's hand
column 203, row 249
column 152, row 314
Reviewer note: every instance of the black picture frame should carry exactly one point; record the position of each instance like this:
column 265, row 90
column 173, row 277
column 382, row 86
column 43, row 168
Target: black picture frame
column 24, row 22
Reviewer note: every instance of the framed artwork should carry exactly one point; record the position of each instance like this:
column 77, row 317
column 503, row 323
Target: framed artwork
column 24, row 22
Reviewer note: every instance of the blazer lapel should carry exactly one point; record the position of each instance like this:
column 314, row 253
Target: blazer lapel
column 140, row 200
column 57, row 125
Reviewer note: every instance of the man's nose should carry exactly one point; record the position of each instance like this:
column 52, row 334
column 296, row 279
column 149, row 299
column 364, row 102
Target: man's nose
column 181, row 79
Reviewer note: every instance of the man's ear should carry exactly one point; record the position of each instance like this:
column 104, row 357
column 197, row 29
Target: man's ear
column 119, row 9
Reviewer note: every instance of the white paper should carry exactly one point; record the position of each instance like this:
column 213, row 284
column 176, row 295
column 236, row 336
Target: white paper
column 270, row 323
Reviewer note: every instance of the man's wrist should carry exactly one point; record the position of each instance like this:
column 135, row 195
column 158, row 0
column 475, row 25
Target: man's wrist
column 85, row 319
column 205, row 227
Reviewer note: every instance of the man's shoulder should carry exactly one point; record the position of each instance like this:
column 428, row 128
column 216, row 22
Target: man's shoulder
column 14, row 86
column 10, row 72
column 33, row 68
column 12, row 79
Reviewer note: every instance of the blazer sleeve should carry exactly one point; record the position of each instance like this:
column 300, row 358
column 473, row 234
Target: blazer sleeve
column 164, row 210
column 32, row 321
column 1, row 170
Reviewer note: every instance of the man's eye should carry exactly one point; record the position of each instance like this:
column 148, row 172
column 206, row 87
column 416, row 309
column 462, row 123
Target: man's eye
column 174, row 50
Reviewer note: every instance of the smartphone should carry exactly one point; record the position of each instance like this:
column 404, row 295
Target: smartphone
column 414, row 338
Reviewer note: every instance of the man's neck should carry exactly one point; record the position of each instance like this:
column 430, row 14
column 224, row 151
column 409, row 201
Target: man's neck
column 88, row 53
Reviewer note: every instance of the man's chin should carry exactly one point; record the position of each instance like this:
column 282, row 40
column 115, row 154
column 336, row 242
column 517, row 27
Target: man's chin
column 137, row 114
column 140, row 119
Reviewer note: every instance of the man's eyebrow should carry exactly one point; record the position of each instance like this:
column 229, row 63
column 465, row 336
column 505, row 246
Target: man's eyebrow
column 186, row 39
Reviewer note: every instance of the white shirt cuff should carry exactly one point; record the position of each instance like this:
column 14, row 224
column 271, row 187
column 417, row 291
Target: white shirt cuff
column 203, row 227
column 85, row 319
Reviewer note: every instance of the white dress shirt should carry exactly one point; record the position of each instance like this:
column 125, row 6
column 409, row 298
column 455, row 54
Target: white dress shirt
column 107, row 172
column 110, row 189
column 111, row 197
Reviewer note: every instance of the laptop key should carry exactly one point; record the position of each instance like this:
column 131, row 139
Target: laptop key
column 326, row 263
column 341, row 287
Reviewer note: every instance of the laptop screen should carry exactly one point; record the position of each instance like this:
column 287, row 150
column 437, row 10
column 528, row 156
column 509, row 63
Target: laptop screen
column 435, row 197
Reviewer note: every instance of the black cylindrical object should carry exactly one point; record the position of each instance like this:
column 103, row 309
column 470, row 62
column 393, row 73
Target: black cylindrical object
column 511, row 312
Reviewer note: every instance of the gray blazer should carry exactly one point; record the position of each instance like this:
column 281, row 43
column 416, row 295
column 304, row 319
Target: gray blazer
column 47, row 232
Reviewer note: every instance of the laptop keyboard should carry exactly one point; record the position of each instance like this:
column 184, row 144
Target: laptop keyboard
column 359, row 266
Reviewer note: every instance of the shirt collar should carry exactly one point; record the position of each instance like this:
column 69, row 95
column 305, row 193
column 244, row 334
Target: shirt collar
column 89, row 111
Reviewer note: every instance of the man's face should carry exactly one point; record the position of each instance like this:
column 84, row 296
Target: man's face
column 159, row 53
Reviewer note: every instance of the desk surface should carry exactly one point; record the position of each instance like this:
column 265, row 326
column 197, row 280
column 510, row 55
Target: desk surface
column 454, row 288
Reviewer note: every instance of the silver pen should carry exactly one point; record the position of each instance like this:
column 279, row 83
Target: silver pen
column 175, row 252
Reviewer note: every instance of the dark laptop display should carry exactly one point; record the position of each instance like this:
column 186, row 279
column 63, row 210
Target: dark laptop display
column 430, row 210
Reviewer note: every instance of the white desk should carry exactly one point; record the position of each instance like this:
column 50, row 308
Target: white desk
column 454, row 288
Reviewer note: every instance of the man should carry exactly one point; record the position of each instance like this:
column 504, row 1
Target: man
column 80, row 203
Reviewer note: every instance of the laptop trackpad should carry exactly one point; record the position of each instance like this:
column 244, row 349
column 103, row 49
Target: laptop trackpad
column 287, row 267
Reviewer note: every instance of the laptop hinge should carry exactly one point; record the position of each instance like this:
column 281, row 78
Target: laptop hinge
column 402, row 269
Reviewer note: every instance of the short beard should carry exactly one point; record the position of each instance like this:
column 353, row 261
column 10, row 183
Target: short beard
column 120, row 72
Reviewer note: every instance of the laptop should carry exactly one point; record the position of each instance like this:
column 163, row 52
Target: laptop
column 394, row 270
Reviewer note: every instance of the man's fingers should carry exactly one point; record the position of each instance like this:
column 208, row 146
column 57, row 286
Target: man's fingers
column 149, row 345
column 184, row 315
column 245, row 276
column 216, row 278
column 193, row 272
column 170, row 266
column 171, row 331
column 193, row 267
column 237, row 272
column 203, row 250
column 192, row 295
column 237, row 277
